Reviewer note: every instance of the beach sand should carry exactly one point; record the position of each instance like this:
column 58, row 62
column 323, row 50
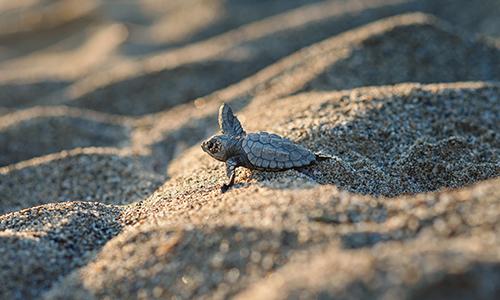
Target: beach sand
column 105, row 192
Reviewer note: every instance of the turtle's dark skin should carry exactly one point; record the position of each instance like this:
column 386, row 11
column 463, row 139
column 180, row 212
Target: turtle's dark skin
column 257, row 151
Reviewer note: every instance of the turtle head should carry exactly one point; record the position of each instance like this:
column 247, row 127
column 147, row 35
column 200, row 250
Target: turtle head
column 217, row 147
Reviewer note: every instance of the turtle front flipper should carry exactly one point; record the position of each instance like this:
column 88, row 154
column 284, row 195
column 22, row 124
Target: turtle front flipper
column 231, row 165
column 228, row 122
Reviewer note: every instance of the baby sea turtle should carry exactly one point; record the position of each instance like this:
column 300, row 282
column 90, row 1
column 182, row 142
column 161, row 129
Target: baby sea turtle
column 258, row 151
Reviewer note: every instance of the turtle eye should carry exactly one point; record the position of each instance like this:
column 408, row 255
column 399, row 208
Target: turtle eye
column 213, row 146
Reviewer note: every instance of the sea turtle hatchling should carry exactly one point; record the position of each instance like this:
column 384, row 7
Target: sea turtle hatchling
column 258, row 151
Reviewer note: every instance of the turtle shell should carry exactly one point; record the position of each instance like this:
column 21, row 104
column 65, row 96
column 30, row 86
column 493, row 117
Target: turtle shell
column 272, row 152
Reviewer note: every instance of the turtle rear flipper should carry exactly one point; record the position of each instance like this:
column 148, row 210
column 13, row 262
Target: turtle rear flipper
column 321, row 157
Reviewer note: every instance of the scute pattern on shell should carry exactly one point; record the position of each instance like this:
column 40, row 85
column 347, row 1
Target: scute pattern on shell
column 270, row 151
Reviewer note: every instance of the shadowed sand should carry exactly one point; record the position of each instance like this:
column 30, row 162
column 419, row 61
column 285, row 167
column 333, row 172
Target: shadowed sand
column 38, row 131
column 89, row 174
column 106, row 194
column 40, row 244
column 338, row 58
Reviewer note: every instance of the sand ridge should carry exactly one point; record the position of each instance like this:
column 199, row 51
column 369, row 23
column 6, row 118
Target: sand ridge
column 105, row 193
column 41, row 130
column 300, row 72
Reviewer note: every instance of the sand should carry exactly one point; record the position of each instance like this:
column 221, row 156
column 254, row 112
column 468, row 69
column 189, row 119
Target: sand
column 106, row 194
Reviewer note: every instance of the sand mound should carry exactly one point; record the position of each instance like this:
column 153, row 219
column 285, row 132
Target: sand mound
column 229, row 241
column 167, row 79
column 305, row 70
column 40, row 131
column 18, row 95
column 412, row 53
column 40, row 244
column 438, row 271
column 406, row 208
column 233, row 239
column 384, row 141
column 85, row 51
column 413, row 140
column 207, row 249
column 230, row 35
column 213, row 17
column 465, row 14
column 33, row 16
column 90, row 174
column 164, row 89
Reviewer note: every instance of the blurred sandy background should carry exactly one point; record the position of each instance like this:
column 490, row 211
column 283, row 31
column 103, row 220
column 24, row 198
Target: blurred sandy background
column 106, row 194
